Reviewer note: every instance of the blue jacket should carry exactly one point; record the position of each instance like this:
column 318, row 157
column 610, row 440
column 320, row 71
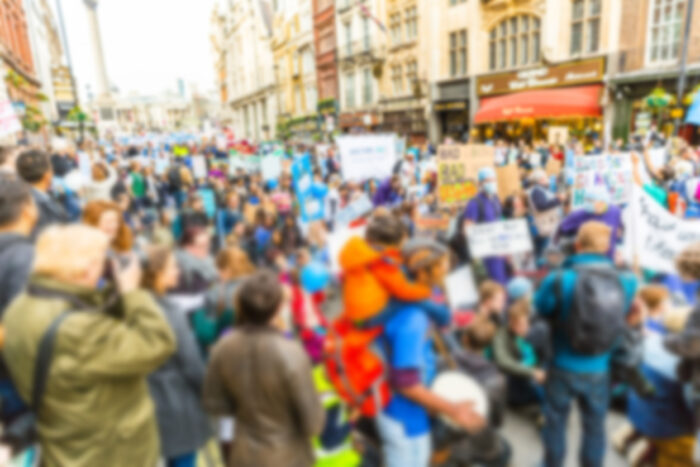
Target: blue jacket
column 546, row 302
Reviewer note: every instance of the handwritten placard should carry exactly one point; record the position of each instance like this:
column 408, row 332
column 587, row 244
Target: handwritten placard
column 458, row 168
column 613, row 171
column 499, row 238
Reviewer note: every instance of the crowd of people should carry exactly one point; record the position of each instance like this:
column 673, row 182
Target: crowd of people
column 154, row 317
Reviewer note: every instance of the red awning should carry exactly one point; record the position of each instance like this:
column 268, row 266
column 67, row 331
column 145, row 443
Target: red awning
column 582, row 101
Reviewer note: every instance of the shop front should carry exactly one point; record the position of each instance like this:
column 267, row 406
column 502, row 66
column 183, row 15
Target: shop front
column 359, row 122
column 524, row 103
column 406, row 118
column 451, row 110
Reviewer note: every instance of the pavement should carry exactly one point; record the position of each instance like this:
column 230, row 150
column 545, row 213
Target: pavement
column 527, row 444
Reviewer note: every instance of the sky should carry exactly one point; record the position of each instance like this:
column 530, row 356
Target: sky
column 147, row 44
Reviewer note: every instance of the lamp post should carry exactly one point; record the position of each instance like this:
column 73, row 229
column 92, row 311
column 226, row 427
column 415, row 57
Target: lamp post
column 684, row 61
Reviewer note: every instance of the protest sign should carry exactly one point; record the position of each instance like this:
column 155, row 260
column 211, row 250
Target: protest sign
column 364, row 157
column 461, row 288
column 499, row 238
column 508, row 177
column 654, row 236
column 553, row 167
column 613, row 171
column 558, row 135
column 431, row 225
column 353, row 211
column 458, row 167
column 199, row 167
column 271, row 167
column 336, row 242
column 9, row 123
column 209, row 201
column 547, row 221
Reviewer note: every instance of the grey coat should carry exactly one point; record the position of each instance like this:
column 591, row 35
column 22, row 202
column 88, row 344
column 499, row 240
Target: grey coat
column 176, row 389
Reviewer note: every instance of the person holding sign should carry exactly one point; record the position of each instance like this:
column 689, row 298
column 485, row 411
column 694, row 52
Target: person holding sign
column 485, row 207
column 545, row 208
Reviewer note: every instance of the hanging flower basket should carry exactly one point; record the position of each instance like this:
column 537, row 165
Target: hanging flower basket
column 659, row 99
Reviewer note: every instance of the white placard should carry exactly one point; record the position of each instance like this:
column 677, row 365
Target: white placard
column 336, row 242
column 9, row 123
column 353, row 211
column 461, row 288
column 364, row 157
column 613, row 171
column 199, row 167
column 499, row 238
column 271, row 167
column 654, row 235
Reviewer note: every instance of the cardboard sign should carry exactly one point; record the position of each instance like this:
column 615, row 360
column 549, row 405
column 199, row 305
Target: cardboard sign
column 366, row 157
column 654, row 236
column 558, row 135
column 613, row 171
column 461, row 288
column 458, row 168
column 547, row 222
column 499, row 238
column 199, row 167
column 430, row 225
column 353, row 211
column 508, row 178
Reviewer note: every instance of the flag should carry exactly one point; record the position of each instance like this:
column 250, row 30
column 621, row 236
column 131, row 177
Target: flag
column 368, row 14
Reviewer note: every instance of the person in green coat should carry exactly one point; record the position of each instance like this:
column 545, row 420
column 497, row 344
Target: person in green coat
column 96, row 409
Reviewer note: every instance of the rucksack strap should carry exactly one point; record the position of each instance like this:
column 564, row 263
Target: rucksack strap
column 43, row 360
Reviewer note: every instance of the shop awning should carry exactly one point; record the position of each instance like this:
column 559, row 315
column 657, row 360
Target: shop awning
column 582, row 101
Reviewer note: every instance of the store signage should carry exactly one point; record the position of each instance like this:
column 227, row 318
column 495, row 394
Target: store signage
column 445, row 106
column 588, row 71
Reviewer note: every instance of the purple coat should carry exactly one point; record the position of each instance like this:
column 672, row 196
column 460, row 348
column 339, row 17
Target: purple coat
column 612, row 217
column 385, row 194
column 481, row 209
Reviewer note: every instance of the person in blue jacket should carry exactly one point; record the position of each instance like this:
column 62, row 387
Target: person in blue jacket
column 485, row 207
column 572, row 375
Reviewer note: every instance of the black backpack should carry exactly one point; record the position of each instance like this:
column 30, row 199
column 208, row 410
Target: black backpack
column 597, row 315
column 174, row 177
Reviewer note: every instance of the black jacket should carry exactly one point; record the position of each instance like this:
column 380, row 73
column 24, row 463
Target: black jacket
column 50, row 212
column 16, row 258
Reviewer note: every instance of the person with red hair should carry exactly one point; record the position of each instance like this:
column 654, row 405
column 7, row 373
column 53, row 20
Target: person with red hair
column 107, row 217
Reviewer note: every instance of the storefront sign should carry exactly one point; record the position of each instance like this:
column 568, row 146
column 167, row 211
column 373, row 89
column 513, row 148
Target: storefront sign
column 588, row 71
column 458, row 166
column 348, row 120
column 450, row 106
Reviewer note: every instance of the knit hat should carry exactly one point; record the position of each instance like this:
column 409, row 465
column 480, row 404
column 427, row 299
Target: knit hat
column 519, row 287
column 485, row 173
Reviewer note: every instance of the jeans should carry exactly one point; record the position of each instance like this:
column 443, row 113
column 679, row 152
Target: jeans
column 400, row 450
column 592, row 392
column 185, row 460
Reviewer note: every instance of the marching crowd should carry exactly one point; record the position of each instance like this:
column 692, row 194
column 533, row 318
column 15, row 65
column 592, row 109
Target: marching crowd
column 152, row 316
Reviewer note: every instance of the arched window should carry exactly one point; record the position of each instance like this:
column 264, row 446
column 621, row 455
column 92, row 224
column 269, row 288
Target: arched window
column 514, row 42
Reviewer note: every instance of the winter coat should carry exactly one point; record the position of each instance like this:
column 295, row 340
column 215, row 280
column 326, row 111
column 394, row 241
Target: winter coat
column 176, row 389
column 96, row 409
column 264, row 380
column 16, row 258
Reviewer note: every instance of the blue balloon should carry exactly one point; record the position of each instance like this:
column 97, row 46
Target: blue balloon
column 272, row 184
column 319, row 190
column 315, row 277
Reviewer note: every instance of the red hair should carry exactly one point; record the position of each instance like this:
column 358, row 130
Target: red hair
column 91, row 216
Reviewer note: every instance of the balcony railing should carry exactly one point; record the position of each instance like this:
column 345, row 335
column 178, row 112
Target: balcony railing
column 361, row 48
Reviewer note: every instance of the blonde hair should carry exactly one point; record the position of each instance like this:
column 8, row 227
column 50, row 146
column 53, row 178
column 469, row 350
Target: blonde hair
column 593, row 237
column 67, row 252
column 235, row 261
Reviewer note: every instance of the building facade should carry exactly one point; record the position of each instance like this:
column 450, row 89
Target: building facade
column 326, row 63
column 361, row 63
column 218, row 36
column 295, row 69
column 649, row 59
column 250, row 77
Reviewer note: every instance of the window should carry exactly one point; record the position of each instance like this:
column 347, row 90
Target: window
column 456, row 2
column 665, row 24
column 513, row 42
column 411, row 23
column 348, row 37
column 365, row 32
column 311, row 98
column 367, row 87
column 585, row 26
column 412, row 75
column 350, row 90
column 297, row 98
column 395, row 28
column 308, row 61
column 458, row 53
column 397, row 79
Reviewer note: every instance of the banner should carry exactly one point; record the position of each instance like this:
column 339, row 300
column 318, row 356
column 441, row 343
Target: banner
column 458, row 167
column 365, row 157
column 613, row 171
column 508, row 177
column 499, row 238
column 655, row 236
column 199, row 167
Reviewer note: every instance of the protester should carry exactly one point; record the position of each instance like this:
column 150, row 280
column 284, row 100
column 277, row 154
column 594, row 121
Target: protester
column 264, row 380
column 587, row 303
column 96, row 378
column 34, row 167
column 176, row 386
column 107, row 217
